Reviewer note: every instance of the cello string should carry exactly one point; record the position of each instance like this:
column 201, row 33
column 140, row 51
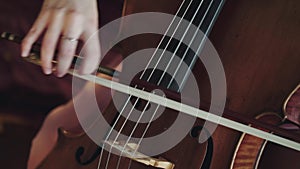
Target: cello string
column 190, row 43
column 184, row 35
column 218, row 10
column 148, row 125
column 158, row 83
column 153, row 115
column 183, row 58
column 110, row 131
column 144, row 133
column 165, row 34
column 177, row 12
column 202, row 42
column 131, row 134
column 160, row 57
column 120, row 130
column 181, row 40
column 151, row 74
column 190, row 110
column 141, row 115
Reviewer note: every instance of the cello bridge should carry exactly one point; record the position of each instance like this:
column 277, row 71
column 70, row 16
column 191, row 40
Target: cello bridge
column 129, row 150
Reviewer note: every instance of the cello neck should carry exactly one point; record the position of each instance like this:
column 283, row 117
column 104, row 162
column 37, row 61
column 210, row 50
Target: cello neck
column 201, row 14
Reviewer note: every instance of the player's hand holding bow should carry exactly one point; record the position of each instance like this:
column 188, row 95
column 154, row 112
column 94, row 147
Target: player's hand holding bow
column 64, row 22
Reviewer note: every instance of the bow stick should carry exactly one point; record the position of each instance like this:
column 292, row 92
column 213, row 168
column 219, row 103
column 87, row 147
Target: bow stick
column 160, row 100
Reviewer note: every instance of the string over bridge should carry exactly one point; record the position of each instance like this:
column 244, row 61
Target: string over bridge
column 130, row 151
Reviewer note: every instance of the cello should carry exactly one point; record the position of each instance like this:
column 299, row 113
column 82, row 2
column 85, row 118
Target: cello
column 264, row 154
column 250, row 78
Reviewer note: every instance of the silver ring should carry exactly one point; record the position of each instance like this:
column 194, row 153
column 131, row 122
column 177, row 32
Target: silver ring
column 69, row 39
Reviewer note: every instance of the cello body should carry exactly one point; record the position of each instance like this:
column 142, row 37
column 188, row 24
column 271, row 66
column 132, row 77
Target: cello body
column 258, row 44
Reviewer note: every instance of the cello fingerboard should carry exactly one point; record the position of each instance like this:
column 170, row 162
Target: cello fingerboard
column 202, row 14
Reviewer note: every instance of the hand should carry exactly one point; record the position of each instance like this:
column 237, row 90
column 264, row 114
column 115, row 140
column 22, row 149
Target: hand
column 64, row 22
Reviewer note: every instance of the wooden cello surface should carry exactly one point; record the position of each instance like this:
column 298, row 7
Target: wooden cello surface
column 253, row 152
column 258, row 43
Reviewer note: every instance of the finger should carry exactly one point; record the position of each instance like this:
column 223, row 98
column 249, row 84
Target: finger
column 68, row 44
column 50, row 41
column 91, row 52
column 35, row 31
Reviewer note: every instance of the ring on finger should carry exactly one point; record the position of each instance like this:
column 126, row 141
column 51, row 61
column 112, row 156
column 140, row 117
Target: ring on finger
column 70, row 39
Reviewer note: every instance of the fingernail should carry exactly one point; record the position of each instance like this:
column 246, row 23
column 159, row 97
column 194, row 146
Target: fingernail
column 24, row 53
column 59, row 75
column 47, row 71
